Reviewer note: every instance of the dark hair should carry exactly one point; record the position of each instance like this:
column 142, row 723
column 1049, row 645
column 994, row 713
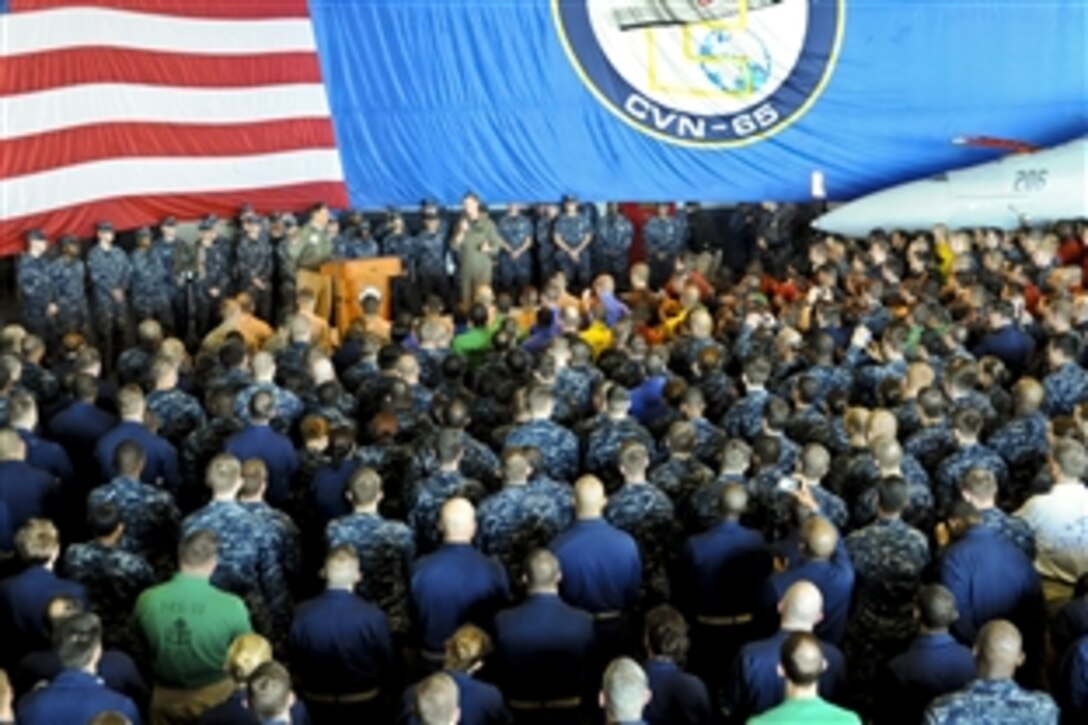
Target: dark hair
column 103, row 519
column 936, row 606
column 76, row 639
column 666, row 633
column 129, row 458
column 892, row 494
column 198, row 548
column 802, row 658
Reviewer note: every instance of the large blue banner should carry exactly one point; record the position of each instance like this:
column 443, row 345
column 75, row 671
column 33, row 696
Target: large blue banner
column 719, row 100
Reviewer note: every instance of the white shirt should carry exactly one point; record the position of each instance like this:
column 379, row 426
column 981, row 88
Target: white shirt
column 1059, row 520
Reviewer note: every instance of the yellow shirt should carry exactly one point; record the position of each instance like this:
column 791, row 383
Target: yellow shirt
column 599, row 338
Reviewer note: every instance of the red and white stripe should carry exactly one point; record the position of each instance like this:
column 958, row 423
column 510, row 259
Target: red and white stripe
column 130, row 110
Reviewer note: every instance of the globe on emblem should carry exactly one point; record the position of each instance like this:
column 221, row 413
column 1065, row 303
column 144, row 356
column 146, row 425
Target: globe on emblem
column 737, row 63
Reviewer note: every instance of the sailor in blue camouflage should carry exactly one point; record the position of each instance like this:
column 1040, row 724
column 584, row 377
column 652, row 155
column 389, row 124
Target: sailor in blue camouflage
column 248, row 563
column 429, row 246
column 604, row 442
column 515, row 268
column 614, row 236
column 865, row 475
column 426, row 504
column 889, row 557
column 253, row 265
column 578, row 380
column 356, row 243
column 745, row 417
column 209, row 261
column 396, row 242
column 283, row 532
column 150, row 297
column 931, row 444
column 663, row 237
column 560, row 494
column 68, row 275
column 178, row 413
column 109, row 272
column 198, row 449
column 557, row 445
column 952, row 469
column 682, row 474
column 1022, row 442
column 478, row 461
column 150, row 516
column 288, row 406
column 166, row 249
column 37, row 296
column 386, row 550
column 516, row 520
column 1067, row 384
column 545, row 245
column 993, row 702
column 647, row 514
column 573, row 235
column 113, row 578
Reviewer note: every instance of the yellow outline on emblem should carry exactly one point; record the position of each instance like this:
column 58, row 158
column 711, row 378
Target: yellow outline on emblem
column 817, row 91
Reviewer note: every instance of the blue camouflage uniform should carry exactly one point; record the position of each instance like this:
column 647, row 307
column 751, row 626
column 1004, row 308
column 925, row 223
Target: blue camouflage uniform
column 284, row 534
column 517, row 232
column 34, row 278
column 288, row 406
column 572, row 229
column 994, row 702
column 278, row 454
column 167, row 254
column 604, row 443
column 178, row 412
column 560, row 494
column 648, row 515
column 680, row 478
column 433, row 493
column 575, row 383
column 868, row 378
column 709, row 440
column 478, row 461
column 113, row 578
column 614, row 236
column 514, row 522
column 150, row 298
column 197, row 451
column 1065, row 388
column 664, row 242
column 951, row 471
column 355, row 246
column 864, row 478
column 754, row 685
column 545, row 247
column 400, row 245
column 1023, row 444
column 558, row 447
column 248, row 565
column 212, row 270
column 253, row 263
column 745, row 417
column 431, row 274
column 889, row 557
column 933, row 665
column 74, row 696
column 451, row 587
column 931, row 445
column 385, row 549
column 705, row 502
column 150, row 515
column 109, row 270
column 69, row 279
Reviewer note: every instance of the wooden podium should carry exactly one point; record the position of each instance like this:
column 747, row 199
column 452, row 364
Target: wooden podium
column 350, row 278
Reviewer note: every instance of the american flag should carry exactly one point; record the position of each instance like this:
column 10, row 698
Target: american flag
column 131, row 110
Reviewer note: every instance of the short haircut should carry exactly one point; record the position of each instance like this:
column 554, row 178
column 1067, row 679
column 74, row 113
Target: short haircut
column 269, row 690
column 633, row 455
column 85, row 387
column 802, row 658
column 980, row 483
column 542, row 568
column 313, row 427
column 758, row 370
column 364, row 486
column 666, row 633
column 223, row 473
column 468, row 646
column 776, row 413
column 1070, row 457
column 103, row 518
column 37, row 541
column 936, row 606
column 246, row 653
column 76, row 640
column 129, row 458
column 625, row 688
column 341, row 564
column 262, row 405
column 932, row 402
column 450, row 445
column 892, row 495
column 436, row 700
column 809, row 388
column 130, row 400
column 20, row 406
column 110, row 717
column 198, row 549
column 254, row 477
column 736, row 454
column 681, row 437
column 968, row 422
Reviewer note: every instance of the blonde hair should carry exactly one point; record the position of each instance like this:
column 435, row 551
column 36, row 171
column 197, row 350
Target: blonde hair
column 468, row 646
column 37, row 541
column 246, row 653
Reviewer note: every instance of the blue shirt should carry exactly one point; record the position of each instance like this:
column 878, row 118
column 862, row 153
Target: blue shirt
column 678, row 698
column 116, row 670
column 23, row 599
column 162, row 459
column 1010, row 345
column 479, row 702
column 544, row 648
column 27, row 492
column 260, row 441
column 455, row 585
column 339, row 644
column 723, row 570
column 601, row 565
column 835, row 580
column 933, row 665
column 73, row 697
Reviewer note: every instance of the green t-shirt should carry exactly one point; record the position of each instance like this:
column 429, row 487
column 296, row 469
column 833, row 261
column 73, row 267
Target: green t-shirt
column 189, row 625
column 807, row 711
